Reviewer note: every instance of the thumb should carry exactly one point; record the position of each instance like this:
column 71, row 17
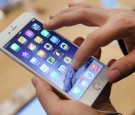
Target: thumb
column 122, row 68
column 45, row 94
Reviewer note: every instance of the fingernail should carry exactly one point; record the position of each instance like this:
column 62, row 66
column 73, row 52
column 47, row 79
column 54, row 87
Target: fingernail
column 48, row 22
column 34, row 82
column 74, row 64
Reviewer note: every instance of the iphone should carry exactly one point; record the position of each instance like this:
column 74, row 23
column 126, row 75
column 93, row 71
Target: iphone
column 49, row 55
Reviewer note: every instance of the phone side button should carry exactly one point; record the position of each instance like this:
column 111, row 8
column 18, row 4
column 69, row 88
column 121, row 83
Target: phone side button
column 96, row 86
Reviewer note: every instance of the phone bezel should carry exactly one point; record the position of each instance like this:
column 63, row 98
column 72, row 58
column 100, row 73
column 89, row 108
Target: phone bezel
column 89, row 95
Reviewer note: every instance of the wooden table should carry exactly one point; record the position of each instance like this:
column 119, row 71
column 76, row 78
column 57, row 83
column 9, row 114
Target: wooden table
column 14, row 76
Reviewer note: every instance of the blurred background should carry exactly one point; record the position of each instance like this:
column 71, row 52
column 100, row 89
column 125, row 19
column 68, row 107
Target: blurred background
column 16, row 89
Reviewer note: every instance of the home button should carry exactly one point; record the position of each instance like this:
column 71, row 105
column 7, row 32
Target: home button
column 97, row 86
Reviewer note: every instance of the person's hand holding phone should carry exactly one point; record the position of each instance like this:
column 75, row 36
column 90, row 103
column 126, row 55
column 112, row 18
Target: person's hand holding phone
column 113, row 25
column 55, row 104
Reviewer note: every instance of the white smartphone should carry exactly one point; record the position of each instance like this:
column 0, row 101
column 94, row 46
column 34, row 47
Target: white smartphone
column 48, row 55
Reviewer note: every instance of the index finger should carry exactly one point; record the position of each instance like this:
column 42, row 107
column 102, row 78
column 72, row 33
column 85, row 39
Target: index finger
column 99, row 38
column 86, row 16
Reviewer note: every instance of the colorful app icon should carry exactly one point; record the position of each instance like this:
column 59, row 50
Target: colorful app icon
column 51, row 60
column 22, row 40
column 57, row 53
column 15, row 47
column 44, row 68
column 77, row 91
column 95, row 67
column 34, row 61
column 48, row 46
column 54, row 40
column 62, row 68
column 64, row 46
column 67, row 60
column 36, row 26
column 84, row 84
column 38, row 39
column 54, row 75
column 45, row 33
column 25, row 54
column 31, row 47
column 89, row 75
column 41, row 53
column 29, row 33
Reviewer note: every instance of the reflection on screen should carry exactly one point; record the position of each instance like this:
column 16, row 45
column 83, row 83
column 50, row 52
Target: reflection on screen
column 33, row 108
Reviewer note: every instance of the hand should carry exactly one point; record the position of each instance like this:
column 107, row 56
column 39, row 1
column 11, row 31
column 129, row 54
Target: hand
column 113, row 25
column 55, row 104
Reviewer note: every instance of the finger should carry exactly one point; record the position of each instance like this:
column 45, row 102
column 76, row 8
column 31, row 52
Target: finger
column 99, row 38
column 64, row 20
column 122, row 68
column 63, row 11
column 69, row 10
column 93, row 42
column 88, row 17
column 97, row 53
column 111, row 62
column 78, row 41
column 44, row 93
column 72, row 6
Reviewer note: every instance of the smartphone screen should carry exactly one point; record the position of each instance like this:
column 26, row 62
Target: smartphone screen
column 51, row 56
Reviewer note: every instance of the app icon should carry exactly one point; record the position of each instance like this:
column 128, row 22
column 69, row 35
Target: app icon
column 44, row 68
column 41, row 53
column 64, row 46
column 89, row 75
column 34, row 61
column 38, row 39
column 94, row 67
column 84, row 83
column 29, row 33
column 57, row 53
column 35, row 26
column 54, row 40
column 77, row 91
column 54, row 75
column 48, row 46
column 51, row 60
column 25, row 54
column 45, row 33
column 62, row 68
column 31, row 46
column 81, row 78
column 15, row 47
column 67, row 60
column 22, row 40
